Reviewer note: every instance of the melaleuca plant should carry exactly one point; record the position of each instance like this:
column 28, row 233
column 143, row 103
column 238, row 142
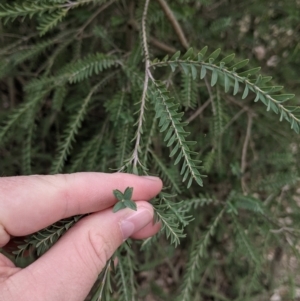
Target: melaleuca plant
column 96, row 85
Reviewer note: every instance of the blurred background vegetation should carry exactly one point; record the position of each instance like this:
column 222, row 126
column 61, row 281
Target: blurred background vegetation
column 242, row 243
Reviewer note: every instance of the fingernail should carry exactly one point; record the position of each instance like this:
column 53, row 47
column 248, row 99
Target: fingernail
column 135, row 222
column 151, row 178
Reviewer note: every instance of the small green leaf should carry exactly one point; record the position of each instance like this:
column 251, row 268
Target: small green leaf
column 169, row 133
column 165, row 126
column 246, row 91
column 128, row 193
column 183, row 167
column 194, row 71
column 190, row 182
column 202, row 53
column 199, row 180
column 175, row 56
column 203, row 72
column 265, row 79
column 118, row 206
column 282, row 115
column 174, row 151
column 250, row 72
column 188, row 54
column 271, row 89
column 173, row 66
column 236, row 87
column 257, row 97
column 226, row 82
column 263, row 99
column 165, row 59
column 214, row 77
column 228, row 59
column 171, row 141
column 274, row 107
column 215, row 54
column 190, row 143
column 178, row 158
column 283, row 97
column 130, row 204
column 258, row 80
column 118, row 194
column 185, row 68
column 269, row 105
column 240, row 64
column 186, row 174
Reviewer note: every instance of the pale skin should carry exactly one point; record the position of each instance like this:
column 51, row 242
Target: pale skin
column 70, row 268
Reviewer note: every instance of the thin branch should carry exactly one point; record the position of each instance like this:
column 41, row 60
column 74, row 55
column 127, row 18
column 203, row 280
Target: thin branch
column 244, row 107
column 240, row 104
column 244, row 152
column 234, row 118
column 104, row 279
column 144, row 33
column 199, row 111
column 135, row 155
column 100, row 10
column 163, row 46
column 174, row 23
column 155, row 42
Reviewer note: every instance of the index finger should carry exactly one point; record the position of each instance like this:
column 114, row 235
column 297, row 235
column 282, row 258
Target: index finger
column 30, row 203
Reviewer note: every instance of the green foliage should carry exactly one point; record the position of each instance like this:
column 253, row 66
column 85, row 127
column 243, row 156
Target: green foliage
column 125, row 273
column 45, row 238
column 198, row 251
column 172, row 218
column 267, row 94
column 170, row 119
column 124, row 199
column 108, row 86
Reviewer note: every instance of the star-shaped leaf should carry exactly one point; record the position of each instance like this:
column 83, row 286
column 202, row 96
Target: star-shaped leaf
column 124, row 199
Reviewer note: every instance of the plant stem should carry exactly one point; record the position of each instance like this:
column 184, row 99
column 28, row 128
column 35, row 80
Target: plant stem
column 135, row 155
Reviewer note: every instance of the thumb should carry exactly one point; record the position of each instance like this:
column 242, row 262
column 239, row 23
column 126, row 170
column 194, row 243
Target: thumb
column 70, row 268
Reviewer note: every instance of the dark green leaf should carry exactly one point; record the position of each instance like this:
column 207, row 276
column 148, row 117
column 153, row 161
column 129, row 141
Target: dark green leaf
column 189, row 54
column 250, row 72
column 263, row 99
column 215, row 54
column 257, row 97
column 118, row 206
column 283, row 97
column 203, row 72
column 214, row 77
column 175, row 56
column 165, row 59
column 194, row 71
column 130, row 204
column 202, row 53
column 246, row 91
column 228, row 59
column 185, row 68
column 128, row 193
column 173, row 66
column 174, row 151
column 118, row 194
column 226, row 82
column 239, row 65
column 236, row 87
column 178, row 158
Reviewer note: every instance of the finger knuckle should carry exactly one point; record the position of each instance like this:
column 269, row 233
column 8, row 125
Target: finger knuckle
column 101, row 247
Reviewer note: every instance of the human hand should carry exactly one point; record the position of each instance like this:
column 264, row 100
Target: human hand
column 70, row 268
